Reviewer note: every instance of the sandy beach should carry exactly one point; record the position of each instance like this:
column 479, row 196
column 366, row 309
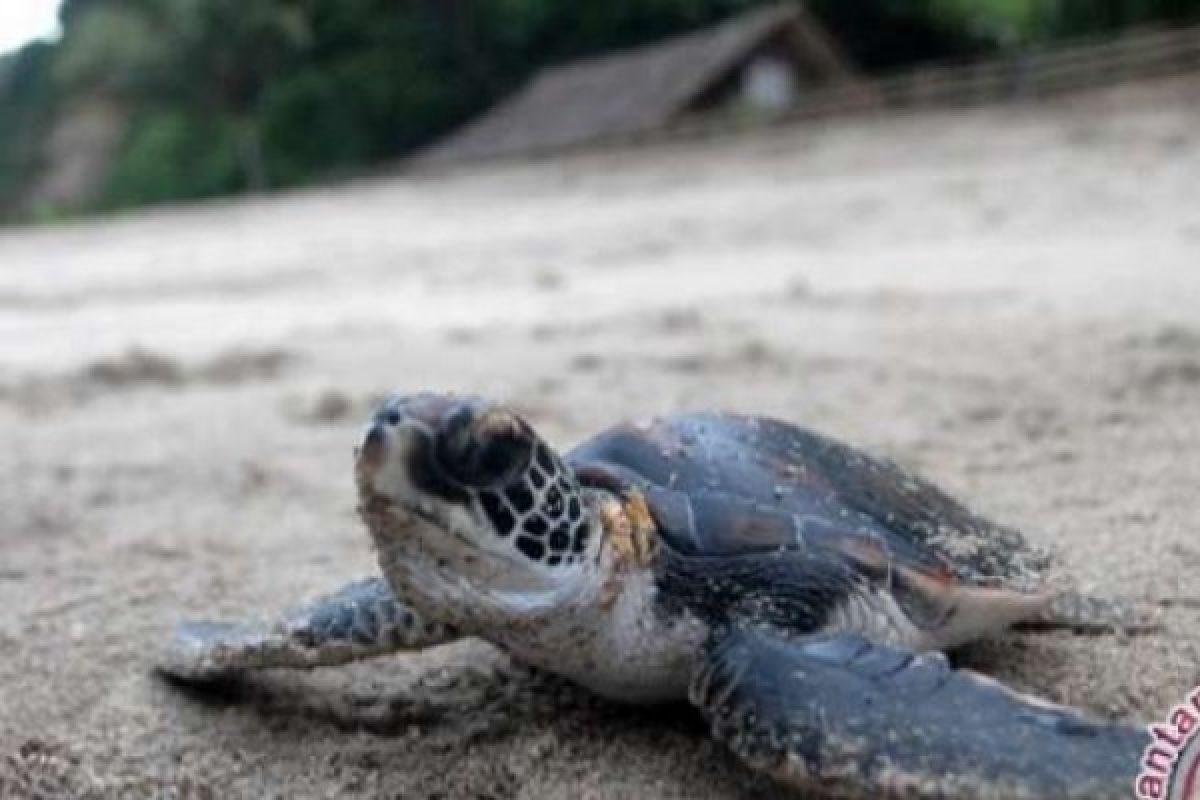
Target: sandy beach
column 1007, row 300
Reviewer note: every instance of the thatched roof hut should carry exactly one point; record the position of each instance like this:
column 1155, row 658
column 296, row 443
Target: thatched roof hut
column 764, row 58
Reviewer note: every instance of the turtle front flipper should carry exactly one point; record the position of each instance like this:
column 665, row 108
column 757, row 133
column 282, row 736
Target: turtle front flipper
column 361, row 620
column 838, row 714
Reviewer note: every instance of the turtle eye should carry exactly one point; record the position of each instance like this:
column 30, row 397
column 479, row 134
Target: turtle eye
column 483, row 449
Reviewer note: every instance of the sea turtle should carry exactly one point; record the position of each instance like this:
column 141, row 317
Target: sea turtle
column 796, row 590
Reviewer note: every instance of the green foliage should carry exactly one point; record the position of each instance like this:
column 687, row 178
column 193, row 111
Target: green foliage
column 113, row 49
column 174, row 155
column 306, row 121
column 886, row 34
column 27, row 101
column 1013, row 21
column 230, row 95
column 1081, row 17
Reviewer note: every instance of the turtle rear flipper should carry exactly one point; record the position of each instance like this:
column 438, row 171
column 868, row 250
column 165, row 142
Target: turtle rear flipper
column 1084, row 613
column 362, row 620
column 840, row 714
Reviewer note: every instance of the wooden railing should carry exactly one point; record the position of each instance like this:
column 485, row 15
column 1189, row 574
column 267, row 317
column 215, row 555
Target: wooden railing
column 1039, row 73
column 1027, row 74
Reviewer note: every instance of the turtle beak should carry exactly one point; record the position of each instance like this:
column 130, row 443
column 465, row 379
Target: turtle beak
column 370, row 454
column 383, row 432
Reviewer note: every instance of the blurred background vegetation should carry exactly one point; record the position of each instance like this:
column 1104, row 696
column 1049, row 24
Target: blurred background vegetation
column 223, row 96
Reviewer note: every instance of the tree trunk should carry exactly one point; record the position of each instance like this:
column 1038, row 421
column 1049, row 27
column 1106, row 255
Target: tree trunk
column 250, row 155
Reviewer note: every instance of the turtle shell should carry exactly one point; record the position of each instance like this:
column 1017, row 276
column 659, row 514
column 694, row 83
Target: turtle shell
column 729, row 485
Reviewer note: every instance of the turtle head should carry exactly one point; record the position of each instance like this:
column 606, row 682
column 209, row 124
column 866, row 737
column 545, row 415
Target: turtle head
column 465, row 488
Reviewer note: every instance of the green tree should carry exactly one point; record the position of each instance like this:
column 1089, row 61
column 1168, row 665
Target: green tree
column 215, row 56
column 27, row 103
